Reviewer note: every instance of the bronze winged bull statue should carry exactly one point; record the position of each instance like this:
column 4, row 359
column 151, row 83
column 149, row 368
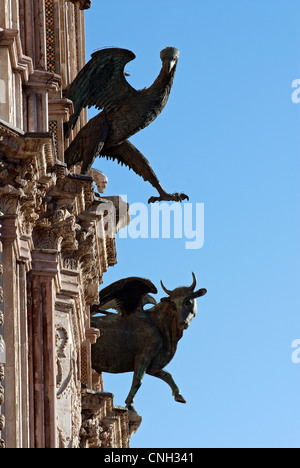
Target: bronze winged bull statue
column 137, row 340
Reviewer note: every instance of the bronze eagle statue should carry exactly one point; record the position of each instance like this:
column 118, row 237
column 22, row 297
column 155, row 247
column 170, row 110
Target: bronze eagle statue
column 125, row 111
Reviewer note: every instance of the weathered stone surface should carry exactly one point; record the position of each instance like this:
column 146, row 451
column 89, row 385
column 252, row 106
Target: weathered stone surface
column 54, row 244
column 105, row 425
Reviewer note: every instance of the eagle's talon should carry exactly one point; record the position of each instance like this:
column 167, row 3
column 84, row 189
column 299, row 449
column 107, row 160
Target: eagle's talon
column 177, row 197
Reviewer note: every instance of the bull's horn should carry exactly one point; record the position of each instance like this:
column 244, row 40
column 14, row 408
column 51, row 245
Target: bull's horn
column 192, row 287
column 165, row 289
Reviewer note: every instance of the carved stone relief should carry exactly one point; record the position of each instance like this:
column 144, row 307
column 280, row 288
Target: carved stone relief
column 47, row 209
column 67, row 384
column 103, row 424
column 2, row 347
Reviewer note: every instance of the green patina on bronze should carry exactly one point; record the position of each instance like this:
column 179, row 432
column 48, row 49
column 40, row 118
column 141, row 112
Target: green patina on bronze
column 137, row 340
column 126, row 111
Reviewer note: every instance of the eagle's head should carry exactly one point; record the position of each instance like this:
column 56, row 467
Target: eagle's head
column 169, row 57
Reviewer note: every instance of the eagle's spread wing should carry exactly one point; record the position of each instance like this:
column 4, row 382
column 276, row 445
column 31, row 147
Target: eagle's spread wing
column 88, row 143
column 124, row 295
column 100, row 83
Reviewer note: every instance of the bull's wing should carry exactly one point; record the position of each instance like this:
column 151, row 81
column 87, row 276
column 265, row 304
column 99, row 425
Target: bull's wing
column 100, row 83
column 125, row 295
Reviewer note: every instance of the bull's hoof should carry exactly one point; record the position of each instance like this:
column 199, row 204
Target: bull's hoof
column 179, row 398
column 131, row 409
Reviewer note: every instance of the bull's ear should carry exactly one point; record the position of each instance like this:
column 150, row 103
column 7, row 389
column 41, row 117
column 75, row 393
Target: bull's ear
column 200, row 292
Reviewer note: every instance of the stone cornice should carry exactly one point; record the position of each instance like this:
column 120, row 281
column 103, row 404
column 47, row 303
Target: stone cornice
column 38, row 79
column 11, row 38
column 44, row 81
column 53, row 210
column 109, row 422
column 16, row 144
column 60, row 107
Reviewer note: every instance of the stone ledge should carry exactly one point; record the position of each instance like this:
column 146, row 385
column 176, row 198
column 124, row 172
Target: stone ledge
column 105, row 425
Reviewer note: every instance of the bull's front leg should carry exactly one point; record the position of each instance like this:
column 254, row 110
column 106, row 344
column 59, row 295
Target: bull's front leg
column 168, row 378
column 136, row 383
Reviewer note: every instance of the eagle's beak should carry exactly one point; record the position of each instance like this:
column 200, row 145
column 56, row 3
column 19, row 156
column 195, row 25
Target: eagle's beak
column 171, row 65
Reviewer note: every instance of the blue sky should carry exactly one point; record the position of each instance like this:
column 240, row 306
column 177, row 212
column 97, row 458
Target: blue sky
column 230, row 138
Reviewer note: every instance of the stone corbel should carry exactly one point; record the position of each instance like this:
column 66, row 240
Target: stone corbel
column 83, row 4
column 10, row 199
column 56, row 232
column 92, row 334
column 16, row 145
column 88, row 256
column 73, row 189
column 100, row 418
column 24, row 176
column 60, row 108
column 42, row 80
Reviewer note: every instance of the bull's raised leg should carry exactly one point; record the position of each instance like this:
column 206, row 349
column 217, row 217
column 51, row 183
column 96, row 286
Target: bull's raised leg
column 136, row 383
column 168, row 378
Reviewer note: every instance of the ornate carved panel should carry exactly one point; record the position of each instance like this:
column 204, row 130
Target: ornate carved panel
column 103, row 424
column 68, row 387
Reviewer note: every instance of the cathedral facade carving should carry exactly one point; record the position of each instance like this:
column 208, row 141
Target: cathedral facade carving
column 55, row 246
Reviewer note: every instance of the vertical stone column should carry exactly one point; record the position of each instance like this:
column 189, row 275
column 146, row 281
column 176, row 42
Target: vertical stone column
column 15, row 255
column 6, row 85
column 10, row 64
column 11, row 331
column 2, row 347
column 92, row 334
column 24, row 262
column 42, row 366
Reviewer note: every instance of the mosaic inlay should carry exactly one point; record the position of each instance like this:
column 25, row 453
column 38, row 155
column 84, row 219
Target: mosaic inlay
column 50, row 35
column 53, row 128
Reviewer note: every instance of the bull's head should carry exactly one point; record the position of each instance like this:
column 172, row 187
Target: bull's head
column 185, row 301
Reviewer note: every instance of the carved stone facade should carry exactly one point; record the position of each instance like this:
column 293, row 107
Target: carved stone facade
column 57, row 239
column 2, row 348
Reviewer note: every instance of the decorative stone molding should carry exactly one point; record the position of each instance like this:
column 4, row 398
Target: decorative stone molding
column 11, row 38
column 18, row 146
column 2, row 355
column 42, row 80
column 103, row 424
column 59, row 210
column 68, row 386
column 64, row 235
column 57, row 239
